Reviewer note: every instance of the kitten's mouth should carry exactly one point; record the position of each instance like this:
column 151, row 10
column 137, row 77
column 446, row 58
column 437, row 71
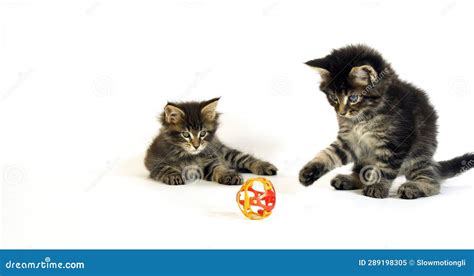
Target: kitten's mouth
column 195, row 151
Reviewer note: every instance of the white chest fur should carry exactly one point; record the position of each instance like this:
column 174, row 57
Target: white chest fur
column 363, row 140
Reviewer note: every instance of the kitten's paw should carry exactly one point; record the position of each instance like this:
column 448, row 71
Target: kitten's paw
column 343, row 182
column 173, row 179
column 231, row 178
column 410, row 190
column 375, row 191
column 311, row 172
column 264, row 168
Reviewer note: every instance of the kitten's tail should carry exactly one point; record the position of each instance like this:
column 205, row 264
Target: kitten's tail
column 456, row 166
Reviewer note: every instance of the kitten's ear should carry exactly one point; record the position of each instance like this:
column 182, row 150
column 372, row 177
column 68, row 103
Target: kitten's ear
column 173, row 114
column 362, row 75
column 319, row 65
column 208, row 109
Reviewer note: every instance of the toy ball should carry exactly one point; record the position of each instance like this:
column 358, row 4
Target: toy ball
column 256, row 198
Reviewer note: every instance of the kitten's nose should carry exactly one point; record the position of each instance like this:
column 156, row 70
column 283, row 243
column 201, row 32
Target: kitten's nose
column 196, row 146
column 342, row 110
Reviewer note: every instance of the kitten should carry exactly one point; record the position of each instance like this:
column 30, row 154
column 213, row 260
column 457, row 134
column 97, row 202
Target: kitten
column 187, row 141
column 387, row 127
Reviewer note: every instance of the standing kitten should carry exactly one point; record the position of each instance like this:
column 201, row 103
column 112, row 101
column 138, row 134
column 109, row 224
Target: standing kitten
column 187, row 140
column 387, row 127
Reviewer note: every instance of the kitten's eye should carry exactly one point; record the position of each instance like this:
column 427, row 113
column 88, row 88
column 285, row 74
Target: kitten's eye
column 202, row 134
column 185, row 134
column 333, row 97
column 353, row 98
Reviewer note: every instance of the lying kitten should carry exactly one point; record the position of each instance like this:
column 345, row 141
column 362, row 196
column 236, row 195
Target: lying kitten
column 187, row 140
column 387, row 127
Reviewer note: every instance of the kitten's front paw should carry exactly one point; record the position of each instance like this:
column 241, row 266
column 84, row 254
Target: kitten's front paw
column 375, row 191
column 311, row 172
column 264, row 168
column 410, row 190
column 173, row 179
column 343, row 182
column 231, row 178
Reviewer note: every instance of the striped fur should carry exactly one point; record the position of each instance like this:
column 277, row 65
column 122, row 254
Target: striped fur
column 385, row 124
column 181, row 146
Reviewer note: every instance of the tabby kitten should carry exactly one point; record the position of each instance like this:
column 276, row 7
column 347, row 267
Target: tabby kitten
column 387, row 127
column 187, row 141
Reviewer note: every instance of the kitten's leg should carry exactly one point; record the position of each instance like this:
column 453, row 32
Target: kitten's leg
column 423, row 180
column 167, row 174
column 378, row 178
column 347, row 182
column 247, row 163
column 336, row 155
column 219, row 172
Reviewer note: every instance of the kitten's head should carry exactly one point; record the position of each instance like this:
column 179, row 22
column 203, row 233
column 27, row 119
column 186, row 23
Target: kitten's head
column 354, row 79
column 191, row 125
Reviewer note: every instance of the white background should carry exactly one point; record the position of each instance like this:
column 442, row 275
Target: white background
column 83, row 81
